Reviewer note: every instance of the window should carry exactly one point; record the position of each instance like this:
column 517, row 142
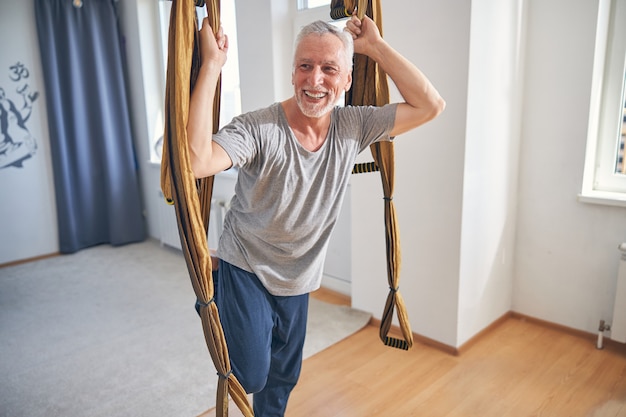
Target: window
column 231, row 93
column 620, row 164
column 310, row 4
column 605, row 172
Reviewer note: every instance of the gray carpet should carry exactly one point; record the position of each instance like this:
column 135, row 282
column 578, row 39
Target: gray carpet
column 113, row 332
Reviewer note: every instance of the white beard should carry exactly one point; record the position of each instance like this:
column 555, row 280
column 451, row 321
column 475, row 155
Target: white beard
column 318, row 109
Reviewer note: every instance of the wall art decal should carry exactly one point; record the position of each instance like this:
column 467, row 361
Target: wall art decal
column 16, row 142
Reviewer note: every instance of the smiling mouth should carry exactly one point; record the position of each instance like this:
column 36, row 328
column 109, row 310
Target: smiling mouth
column 314, row 94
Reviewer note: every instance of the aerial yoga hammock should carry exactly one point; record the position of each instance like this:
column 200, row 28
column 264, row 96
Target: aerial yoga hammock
column 370, row 87
column 192, row 198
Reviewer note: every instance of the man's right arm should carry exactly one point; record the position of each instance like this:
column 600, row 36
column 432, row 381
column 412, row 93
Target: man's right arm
column 207, row 157
column 422, row 102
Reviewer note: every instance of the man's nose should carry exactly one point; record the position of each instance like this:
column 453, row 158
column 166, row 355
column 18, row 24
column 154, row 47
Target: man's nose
column 316, row 76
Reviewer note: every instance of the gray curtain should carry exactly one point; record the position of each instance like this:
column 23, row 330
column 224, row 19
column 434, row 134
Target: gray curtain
column 95, row 170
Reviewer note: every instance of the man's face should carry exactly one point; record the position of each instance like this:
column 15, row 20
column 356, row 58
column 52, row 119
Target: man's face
column 320, row 75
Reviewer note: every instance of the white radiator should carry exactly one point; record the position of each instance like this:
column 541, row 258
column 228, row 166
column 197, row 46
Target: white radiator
column 169, row 227
column 618, row 326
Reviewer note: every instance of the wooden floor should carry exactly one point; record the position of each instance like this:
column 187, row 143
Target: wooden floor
column 519, row 369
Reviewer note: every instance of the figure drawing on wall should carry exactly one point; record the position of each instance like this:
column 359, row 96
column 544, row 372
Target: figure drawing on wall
column 16, row 142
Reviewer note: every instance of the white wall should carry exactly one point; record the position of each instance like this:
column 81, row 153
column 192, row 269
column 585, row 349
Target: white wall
column 264, row 33
column 566, row 251
column 457, row 175
column 429, row 177
column 533, row 249
column 491, row 164
column 28, row 211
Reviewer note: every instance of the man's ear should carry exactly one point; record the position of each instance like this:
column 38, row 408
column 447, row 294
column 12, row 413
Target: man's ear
column 349, row 83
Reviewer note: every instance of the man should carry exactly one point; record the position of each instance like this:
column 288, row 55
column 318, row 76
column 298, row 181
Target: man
column 294, row 160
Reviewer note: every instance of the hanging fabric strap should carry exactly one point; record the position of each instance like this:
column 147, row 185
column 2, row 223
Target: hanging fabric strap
column 365, row 167
column 191, row 197
column 370, row 87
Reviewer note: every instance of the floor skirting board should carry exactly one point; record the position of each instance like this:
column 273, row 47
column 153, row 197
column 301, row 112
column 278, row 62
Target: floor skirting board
column 456, row 351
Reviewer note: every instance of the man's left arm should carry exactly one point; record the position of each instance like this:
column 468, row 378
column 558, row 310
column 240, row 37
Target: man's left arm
column 422, row 102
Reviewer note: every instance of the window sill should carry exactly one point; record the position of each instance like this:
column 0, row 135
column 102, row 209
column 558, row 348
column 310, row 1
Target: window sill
column 606, row 198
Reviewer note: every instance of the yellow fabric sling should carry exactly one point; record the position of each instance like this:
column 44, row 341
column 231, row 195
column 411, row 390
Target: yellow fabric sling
column 191, row 197
column 370, row 87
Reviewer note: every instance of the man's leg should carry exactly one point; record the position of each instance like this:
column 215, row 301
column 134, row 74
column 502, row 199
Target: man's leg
column 247, row 320
column 290, row 317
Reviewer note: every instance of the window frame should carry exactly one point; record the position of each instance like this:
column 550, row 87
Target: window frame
column 231, row 90
column 600, row 182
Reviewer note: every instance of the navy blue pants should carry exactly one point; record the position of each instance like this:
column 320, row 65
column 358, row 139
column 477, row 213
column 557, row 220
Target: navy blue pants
column 265, row 336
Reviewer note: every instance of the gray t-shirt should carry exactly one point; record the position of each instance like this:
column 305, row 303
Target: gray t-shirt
column 287, row 199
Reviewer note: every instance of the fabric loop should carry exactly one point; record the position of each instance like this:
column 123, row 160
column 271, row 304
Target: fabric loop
column 394, row 290
column 388, row 198
column 228, row 374
column 208, row 303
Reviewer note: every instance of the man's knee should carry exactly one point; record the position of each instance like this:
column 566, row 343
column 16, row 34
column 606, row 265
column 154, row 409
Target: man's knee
column 252, row 380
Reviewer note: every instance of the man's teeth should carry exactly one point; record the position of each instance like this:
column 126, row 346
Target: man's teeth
column 314, row 94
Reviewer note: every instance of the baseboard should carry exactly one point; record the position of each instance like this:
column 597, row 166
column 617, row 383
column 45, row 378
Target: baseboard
column 337, row 285
column 27, row 260
column 397, row 333
column 550, row 325
column 592, row 337
column 330, row 296
column 472, row 341
column 457, row 351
